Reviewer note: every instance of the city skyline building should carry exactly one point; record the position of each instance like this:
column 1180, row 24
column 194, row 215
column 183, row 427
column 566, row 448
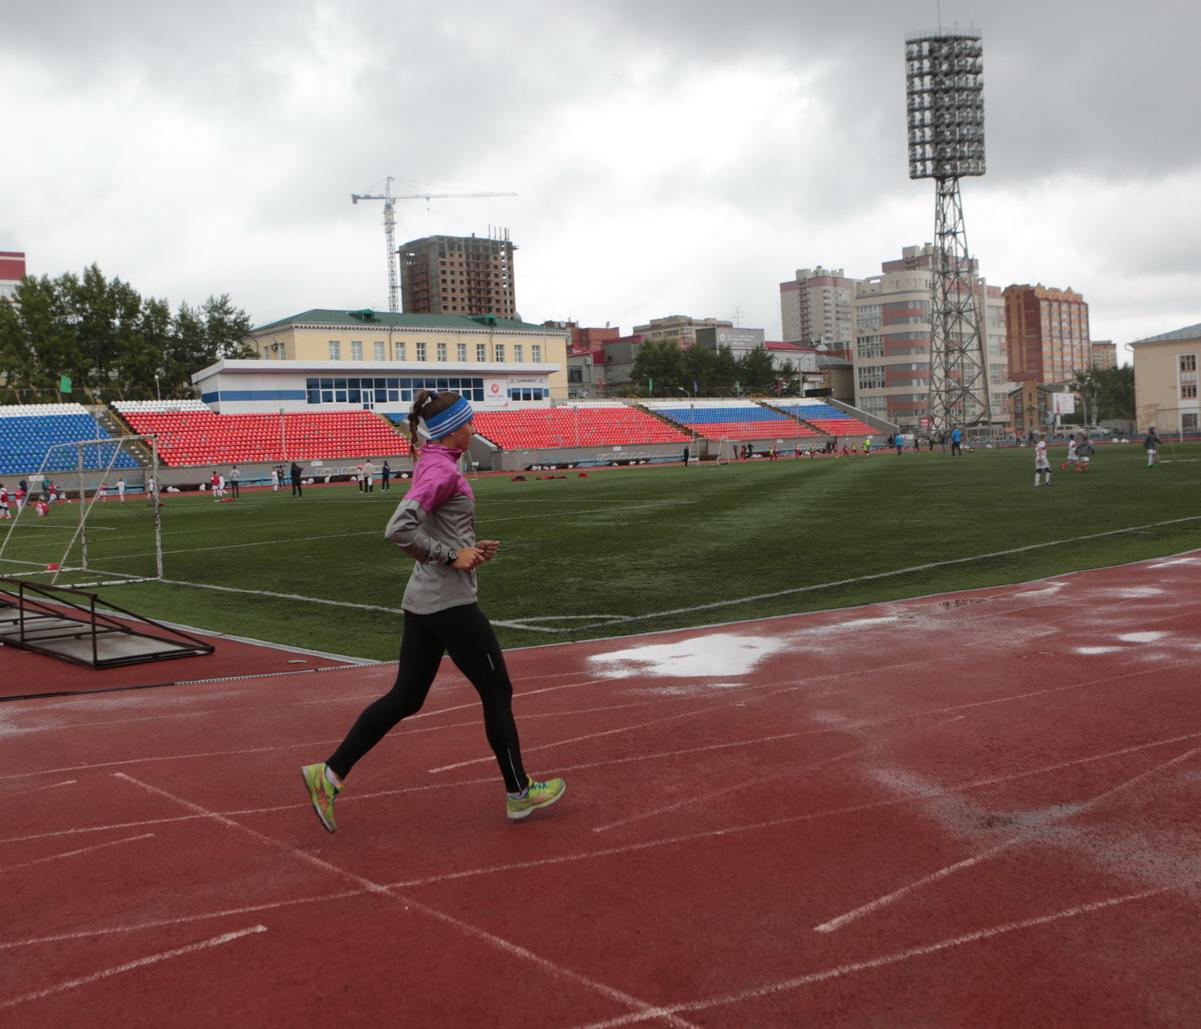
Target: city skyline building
column 817, row 306
column 678, row 328
column 463, row 275
column 1104, row 353
column 892, row 350
column 1048, row 334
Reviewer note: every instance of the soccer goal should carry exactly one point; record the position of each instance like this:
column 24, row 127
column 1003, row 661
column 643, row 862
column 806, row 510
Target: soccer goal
column 725, row 452
column 90, row 516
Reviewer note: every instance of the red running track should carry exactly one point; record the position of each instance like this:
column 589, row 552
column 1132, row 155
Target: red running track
column 977, row 809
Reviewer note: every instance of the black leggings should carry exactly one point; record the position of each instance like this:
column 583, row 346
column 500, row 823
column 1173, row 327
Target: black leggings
column 466, row 634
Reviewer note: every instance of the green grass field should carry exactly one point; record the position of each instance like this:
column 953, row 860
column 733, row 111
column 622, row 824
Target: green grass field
column 633, row 550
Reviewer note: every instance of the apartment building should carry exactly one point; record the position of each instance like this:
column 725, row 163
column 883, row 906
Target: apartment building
column 1104, row 353
column 817, row 306
column 891, row 354
column 1165, row 381
column 1047, row 331
column 463, row 275
column 678, row 328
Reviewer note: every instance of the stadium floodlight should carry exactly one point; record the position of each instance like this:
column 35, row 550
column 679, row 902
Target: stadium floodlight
column 945, row 94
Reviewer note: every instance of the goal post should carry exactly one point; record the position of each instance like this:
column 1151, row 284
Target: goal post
column 725, row 451
column 113, row 535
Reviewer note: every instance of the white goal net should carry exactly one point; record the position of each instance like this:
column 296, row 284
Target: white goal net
column 90, row 516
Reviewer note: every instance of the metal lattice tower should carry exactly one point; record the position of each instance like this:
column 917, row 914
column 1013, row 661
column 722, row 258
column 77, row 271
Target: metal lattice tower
column 945, row 91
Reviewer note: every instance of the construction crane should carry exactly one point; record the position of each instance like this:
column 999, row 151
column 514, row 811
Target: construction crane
column 389, row 200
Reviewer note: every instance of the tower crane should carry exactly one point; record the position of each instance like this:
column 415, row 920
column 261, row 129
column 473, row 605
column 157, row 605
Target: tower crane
column 389, row 198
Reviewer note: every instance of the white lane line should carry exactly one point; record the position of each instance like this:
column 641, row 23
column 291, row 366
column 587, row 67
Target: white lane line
column 785, row 985
column 166, row 923
column 53, row 786
column 130, row 966
column 970, row 784
column 603, row 733
column 206, row 755
column 74, row 853
column 701, row 798
column 473, row 932
column 943, row 873
column 885, row 575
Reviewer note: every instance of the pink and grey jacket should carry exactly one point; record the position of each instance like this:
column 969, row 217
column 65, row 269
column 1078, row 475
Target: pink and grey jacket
column 436, row 516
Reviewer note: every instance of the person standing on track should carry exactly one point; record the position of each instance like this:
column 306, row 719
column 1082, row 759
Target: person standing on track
column 435, row 525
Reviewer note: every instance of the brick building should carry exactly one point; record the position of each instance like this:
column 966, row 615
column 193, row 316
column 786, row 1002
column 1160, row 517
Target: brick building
column 463, row 275
column 1047, row 331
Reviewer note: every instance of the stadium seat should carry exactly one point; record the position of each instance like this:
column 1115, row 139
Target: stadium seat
column 736, row 420
column 199, row 436
column 575, row 425
column 29, row 432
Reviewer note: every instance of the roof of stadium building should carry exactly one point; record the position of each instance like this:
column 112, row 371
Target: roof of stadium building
column 392, row 319
column 1188, row 332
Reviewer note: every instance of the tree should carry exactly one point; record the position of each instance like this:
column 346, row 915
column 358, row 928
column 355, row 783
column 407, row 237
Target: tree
column 756, row 372
column 109, row 341
column 661, row 363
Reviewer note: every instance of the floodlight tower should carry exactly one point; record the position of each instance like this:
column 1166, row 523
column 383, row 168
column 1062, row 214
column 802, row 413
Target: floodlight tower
column 945, row 91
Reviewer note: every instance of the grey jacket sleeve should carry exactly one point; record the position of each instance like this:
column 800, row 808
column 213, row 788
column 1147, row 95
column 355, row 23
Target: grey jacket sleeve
column 406, row 531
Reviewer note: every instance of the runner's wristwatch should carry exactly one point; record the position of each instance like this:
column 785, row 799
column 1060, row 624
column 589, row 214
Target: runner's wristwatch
column 452, row 557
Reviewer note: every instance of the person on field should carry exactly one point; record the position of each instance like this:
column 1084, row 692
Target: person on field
column 1084, row 453
column 386, row 476
column 1041, row 465
column 1151, row 445
column 235, row 482
column 1071, row 458
column 297, row 487
column 435, row 525
column 274, row 480
column 4, row 511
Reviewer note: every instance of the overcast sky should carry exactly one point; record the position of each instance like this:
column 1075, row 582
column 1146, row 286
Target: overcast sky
column 670, row 156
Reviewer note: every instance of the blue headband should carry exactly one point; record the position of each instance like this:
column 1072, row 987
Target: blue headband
column 445, row 422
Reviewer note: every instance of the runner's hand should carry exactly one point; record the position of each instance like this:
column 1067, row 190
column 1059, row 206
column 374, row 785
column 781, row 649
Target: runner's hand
column 488, row 548
column 468, row 559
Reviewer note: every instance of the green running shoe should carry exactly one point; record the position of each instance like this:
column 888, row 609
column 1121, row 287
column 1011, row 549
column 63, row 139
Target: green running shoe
column 537, row 794
column 322, row 793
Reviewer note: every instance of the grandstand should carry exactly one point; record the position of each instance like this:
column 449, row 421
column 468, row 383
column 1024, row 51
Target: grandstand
column 29, row 432
column 595, row 424
column 189, row 433
column 731, row 419
column 827, row 419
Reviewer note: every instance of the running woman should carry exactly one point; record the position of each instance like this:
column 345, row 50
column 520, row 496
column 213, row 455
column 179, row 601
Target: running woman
column 1041, row 465
column 1071, row 458
column 435, row 525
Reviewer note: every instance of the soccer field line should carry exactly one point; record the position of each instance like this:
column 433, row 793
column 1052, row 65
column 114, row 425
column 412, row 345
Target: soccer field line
column 624, row 619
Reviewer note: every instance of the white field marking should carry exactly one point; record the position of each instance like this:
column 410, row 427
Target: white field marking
column 1094, row 651
column 1021, row 837
column 864, row 724
column 73, row 853
column 129, row 966
column 839, row 971
column 699, row 798
column 166, row 923
column 283, row 596
column 53, row 786
column 901, row 571
column 328, row 603
column 687, row 838
column 340, row 699
column 1142, row 637
column 1175, row 561
column 409, row 903
column 598, row 735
